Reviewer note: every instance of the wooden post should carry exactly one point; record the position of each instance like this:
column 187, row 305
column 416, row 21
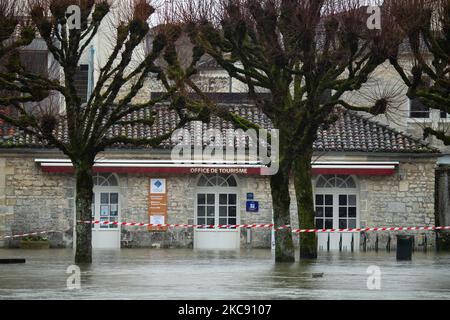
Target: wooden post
column 438, row 248
column 353, row 242
column 365, row 243
column 376, row 243
column 328, row 242
column 425, row 243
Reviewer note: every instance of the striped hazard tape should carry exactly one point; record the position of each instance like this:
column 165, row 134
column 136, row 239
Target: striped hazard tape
column 23, row 235
column 371, row 229
column 234, row 226
column 199, row 226
column 247, row 226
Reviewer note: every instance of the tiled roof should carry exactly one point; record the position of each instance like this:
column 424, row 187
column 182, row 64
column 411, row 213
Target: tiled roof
column 351, row 132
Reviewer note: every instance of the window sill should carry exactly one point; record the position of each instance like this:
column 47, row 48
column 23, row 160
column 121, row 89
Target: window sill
column 215, row 230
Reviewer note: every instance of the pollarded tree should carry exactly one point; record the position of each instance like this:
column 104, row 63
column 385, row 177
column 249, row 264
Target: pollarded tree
column 88, row 124
column 424, row 27
column 298, row 51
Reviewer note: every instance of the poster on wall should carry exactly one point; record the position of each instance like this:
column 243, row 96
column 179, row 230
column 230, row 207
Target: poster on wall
column 104, row 210
column 157, row 206
column 157, row 219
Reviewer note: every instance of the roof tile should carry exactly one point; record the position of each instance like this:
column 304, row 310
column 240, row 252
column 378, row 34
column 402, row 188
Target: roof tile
column 351, row 132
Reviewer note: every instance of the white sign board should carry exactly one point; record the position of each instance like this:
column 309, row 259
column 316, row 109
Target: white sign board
column 157, row 220
column 157, row 185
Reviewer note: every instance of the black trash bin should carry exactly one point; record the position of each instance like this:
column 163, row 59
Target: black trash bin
column 404, row 247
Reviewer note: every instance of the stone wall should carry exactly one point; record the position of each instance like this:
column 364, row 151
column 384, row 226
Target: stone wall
column 31, row 200
column 404, row 199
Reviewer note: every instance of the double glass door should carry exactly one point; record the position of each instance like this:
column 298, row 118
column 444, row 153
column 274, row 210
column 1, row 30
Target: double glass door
column 218, row 208
column 336, row 210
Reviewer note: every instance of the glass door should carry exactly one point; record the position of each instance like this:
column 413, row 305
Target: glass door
column 324, row 211
column 227, row 209
column 213, row 212
column 347, row 211
column 206, row 208
column 109, row 209
column 105, row 207
column 335, row 211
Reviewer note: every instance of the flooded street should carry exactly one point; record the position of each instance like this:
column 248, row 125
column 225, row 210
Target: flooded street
column 188, row 274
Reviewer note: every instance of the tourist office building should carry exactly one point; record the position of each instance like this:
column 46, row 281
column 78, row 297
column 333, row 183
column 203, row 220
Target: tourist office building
column 364, row 175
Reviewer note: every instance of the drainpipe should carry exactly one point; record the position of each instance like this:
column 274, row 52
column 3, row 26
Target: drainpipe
column 90, row 71
column 273, row 235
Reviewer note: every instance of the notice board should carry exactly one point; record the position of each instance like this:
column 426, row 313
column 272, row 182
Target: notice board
column 157, row 203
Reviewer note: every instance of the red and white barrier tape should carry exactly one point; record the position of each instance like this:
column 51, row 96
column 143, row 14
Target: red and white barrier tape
column 246, row 226
column 199, row 226
column 22, row 235
column 371, row 229
column 234, row 226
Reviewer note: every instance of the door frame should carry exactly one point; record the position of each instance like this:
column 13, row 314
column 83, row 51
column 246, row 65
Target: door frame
column 335, row 191
column 97, row 190
column 216, row 190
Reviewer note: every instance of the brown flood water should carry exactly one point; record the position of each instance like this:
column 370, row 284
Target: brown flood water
column 244, row 274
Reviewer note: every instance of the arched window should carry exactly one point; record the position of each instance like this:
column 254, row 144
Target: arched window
column 336, row 181
column 336, row 202
column 105, row 180
column 217, row 181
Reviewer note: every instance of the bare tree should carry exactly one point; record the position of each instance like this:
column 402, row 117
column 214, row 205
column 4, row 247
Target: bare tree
column 88, row 124
column 307, row 54
column 423, row 30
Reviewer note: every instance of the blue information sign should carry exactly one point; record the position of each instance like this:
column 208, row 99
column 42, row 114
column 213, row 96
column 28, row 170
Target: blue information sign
column 252, row 206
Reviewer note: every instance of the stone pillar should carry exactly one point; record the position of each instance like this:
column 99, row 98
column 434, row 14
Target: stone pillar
column 6, row 210
column 2, row 200
column 442, row 205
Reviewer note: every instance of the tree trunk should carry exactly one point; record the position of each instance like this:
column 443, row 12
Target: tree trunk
column 83, row 208
column 305, row 204
column 284, row 247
